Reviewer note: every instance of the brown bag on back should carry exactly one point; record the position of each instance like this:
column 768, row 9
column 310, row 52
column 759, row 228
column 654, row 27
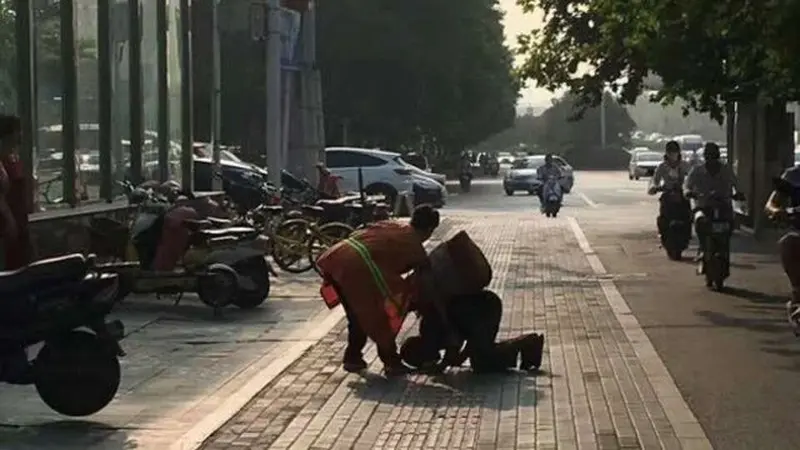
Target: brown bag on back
column 459, row 266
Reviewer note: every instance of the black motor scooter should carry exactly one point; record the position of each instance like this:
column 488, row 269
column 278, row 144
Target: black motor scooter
column 676, row 235
column 716, row 262
column 62, row 302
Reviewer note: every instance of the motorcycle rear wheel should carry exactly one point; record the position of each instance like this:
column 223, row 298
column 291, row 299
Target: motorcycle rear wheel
column 218, row 287
column 259, row 274
column 77, row 374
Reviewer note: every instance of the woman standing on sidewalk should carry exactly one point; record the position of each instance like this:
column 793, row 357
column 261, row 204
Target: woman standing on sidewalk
column 365, row 274
column 16, row 199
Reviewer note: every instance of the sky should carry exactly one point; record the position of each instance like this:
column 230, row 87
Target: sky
column 516, row 22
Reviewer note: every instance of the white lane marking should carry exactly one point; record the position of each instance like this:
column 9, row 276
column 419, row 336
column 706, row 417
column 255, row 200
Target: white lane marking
column 268, row 368
column 586, row 199
column 687, row 428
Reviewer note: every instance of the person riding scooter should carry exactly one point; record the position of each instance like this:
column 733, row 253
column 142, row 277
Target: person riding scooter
column 670, row 175
column 474, row 318
column 710, row 182
column 789, row 243
column 545, row 171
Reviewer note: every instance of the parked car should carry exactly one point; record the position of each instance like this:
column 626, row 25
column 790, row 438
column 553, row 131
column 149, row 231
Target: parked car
column 438, row 177
column 382, row 172
column 643, row 164
column 428, row 191
column 522, row 175
column 417, row 160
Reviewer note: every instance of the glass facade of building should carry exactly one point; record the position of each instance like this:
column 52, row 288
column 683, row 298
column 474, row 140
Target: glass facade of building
column 105, row 86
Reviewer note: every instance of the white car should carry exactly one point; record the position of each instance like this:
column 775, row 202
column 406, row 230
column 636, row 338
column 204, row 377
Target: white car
column 382, row 172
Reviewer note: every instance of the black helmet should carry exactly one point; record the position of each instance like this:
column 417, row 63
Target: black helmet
column 672, row 147
column 711, row 151
column 548, row 157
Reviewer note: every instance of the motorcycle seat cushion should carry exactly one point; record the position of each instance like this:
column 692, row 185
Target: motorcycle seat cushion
column 213, row 233
column 341, row 201
column 68, row 267
column 217, row 221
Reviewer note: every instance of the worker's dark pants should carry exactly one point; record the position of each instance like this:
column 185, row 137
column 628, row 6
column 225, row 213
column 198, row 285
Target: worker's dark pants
column 476, row 318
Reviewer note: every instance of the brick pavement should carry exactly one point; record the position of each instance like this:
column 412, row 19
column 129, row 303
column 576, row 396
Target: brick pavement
column 603, row 386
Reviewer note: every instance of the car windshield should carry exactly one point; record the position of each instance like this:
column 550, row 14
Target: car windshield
column 528, row 163
column 649, row 156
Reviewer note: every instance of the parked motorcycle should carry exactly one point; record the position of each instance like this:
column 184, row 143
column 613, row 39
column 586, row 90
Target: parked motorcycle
column 177, row 251
column 552, row 196
column 677, row 220
column 62, row 302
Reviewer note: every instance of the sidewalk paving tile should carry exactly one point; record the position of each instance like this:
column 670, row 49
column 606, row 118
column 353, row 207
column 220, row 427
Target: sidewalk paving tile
column 594, row 392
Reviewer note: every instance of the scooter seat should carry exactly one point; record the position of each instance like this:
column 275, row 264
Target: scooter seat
column 335, row 202
column 313, row 210
column 273, row 208
column 219, row 222
column 43, row 272
column 213, row 233
column 355, row 206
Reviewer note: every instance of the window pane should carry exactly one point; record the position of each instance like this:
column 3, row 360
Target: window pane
column 48, row 160
column 120, row 81
column 87, row 148
column 174, row 80
column 150, row 90
column 8, row 52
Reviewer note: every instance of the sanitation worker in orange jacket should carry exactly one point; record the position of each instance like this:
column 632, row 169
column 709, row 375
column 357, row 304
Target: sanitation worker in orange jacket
column 365, row 273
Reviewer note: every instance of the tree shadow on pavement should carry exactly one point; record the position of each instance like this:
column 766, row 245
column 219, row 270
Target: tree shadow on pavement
column 755, row 297
column 753, row 324
column 780, row 349
column 75, row 434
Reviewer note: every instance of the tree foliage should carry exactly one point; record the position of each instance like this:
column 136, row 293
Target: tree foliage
column 705, row 52
column 557, row 130
column 397, row 74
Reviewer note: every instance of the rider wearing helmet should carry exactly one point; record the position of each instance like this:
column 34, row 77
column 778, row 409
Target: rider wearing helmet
column 789, row 243
column 548, row 169
column 712, row 177
column 670, row 174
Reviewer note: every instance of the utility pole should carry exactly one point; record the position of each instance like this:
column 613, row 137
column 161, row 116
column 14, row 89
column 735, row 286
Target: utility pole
column 345, row 132
column 216, row 99
column 273, row 92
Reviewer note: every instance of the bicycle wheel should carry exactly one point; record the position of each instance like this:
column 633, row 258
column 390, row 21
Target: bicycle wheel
column 290, row 245
column 324, row 237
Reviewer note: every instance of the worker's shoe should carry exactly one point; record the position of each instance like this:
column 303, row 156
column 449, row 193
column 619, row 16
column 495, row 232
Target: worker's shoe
column 532, row 349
